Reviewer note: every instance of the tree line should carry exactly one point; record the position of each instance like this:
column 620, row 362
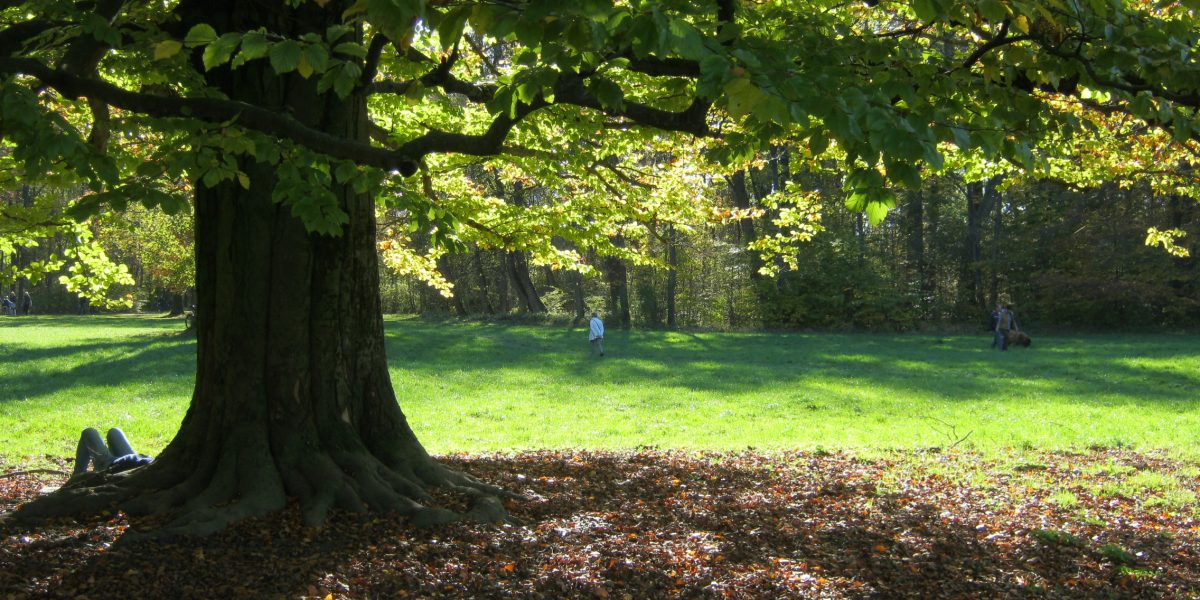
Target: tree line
column 1061, row 255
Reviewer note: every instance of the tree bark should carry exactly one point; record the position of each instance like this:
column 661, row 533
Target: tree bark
column 970, row 279
column 672, row 275
column 293, row 399
column 914, row 225
column 994, row 199
column 484, row 296
column 618, row 290
column 518, row 270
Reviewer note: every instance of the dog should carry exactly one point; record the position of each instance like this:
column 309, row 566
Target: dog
column 1018, row 338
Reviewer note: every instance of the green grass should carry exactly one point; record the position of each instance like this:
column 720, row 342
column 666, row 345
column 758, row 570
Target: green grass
column 481, row 387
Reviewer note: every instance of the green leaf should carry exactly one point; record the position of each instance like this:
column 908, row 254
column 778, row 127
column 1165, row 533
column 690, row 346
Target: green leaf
column 254, row 46
column 450, row 29
column 317, row 56
column 347, row 78
column 993, row 10
column 219, row 52
column 742, row 97
column 395, row 18
column 529, row 31
column 167, row 49
column 335, row 32
column 200, row 35
column 350, row 49
column 285, row 56
column 1181, row 128
column 877, row 210
column 818, row 142
column 904, row 174
column 608, row 93
column 927, row 10
column 686, row 40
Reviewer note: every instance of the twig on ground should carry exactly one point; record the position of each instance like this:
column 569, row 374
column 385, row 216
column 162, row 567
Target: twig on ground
column 33, row 472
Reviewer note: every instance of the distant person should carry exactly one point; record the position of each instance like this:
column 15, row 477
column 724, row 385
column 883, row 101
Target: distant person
column 12, row 302
column 1005, row 322
column 9, row 307
column 26, row 303
column 596, row 333
column 114, row 457
column 993, row 321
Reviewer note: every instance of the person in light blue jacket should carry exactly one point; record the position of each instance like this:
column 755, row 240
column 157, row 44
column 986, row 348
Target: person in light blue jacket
column 596, row 334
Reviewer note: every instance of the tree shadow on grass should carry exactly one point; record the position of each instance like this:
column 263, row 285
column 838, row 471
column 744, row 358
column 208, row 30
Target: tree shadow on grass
column 646, row 525
column 40, row 371
column 953, row 368
column 102, row 321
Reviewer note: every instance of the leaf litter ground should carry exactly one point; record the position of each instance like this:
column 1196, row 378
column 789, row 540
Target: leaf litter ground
column 655, row 524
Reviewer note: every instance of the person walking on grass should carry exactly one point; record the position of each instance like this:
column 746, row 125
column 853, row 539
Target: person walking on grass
column 1004, row 323
column 596, row 333
column 114, row 457
column 26, row 303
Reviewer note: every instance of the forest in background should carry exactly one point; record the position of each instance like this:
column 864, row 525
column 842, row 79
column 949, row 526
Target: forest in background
column 1062, row 255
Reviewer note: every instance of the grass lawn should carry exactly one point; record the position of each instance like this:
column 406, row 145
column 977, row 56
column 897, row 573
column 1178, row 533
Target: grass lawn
column 489, row 387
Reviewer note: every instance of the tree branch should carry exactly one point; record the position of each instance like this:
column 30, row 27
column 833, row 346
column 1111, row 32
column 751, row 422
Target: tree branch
column 371, row 64
column 213, row 110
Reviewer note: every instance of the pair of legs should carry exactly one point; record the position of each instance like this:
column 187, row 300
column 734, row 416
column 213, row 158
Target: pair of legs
column 598, row 343
column 1001, row 339
column 92, row 449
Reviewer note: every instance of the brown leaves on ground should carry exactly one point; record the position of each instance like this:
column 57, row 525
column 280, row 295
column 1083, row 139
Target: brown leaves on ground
column 665, row 524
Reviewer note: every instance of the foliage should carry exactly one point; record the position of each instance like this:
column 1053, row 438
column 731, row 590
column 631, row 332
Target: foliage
column 158, row 244
column 891, row 90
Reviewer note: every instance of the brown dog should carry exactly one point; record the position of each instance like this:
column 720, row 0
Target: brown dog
column 1018, row 338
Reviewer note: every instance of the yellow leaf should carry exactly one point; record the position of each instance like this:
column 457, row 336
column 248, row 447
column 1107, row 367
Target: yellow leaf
column 244, row 179
column 327, row 596
column 304, row 68
column 167, row 49
column 1022, row 23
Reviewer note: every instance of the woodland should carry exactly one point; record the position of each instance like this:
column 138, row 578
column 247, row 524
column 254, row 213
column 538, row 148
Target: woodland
column 291, row 170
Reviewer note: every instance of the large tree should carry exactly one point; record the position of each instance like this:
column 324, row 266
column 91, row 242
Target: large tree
column 292, row 119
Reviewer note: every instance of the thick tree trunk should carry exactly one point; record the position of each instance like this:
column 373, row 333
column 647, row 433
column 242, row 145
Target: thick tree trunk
column 293, row 399
column 914, row 225
column 484, row 296
column 970, row 279
column 518, row 271
column 618, row 290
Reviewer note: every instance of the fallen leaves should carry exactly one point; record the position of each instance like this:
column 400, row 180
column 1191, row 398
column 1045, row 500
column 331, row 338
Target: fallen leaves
column 664, row 524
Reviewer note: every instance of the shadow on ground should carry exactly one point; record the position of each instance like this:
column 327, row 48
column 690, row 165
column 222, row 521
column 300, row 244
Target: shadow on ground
column 659, row 525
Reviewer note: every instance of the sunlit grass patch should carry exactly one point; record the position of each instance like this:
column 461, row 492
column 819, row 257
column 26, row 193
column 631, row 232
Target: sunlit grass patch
column 471, row 386
column 1064, row 499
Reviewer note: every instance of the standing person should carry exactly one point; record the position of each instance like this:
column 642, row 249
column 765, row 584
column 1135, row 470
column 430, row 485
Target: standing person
column 9, row 307
column 1004, row 323
column 993, row 321
column 26, row 303
column 116, row 456
column 596, row 333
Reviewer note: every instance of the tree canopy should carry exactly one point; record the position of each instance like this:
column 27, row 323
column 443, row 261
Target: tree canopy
column 111, row 95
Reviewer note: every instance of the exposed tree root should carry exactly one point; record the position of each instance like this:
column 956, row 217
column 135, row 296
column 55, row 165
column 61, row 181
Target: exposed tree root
column 207, row 500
